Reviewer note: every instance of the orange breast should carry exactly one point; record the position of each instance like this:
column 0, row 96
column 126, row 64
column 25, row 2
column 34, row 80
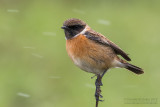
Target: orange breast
column 77, row 46
column 89, row 53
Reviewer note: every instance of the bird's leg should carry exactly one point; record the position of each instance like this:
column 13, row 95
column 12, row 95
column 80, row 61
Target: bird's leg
column 103, row 73
column 98, row 84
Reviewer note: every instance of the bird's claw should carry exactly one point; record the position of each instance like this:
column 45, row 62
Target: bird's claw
column 100, row 96
column 101, row 100
column 93, row 76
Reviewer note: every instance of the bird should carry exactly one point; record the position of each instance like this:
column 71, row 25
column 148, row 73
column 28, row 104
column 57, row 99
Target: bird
column 93, row 52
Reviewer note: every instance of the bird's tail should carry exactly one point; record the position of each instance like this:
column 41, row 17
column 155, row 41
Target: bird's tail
column 133, row 68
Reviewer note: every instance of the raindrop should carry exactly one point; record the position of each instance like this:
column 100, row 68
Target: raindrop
column 37, row 55
column 23, row 95
column 49, row 33
column 29, row 47
column 104, row 22
column 78, row 11
column 89, row 85
column 13, row 10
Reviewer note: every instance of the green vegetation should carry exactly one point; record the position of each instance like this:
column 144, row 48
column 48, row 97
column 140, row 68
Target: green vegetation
column 36, row 71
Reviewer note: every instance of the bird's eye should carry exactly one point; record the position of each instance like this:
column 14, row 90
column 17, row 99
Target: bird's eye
column 75, row 27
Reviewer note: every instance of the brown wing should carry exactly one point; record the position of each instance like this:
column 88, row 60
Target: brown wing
column 92, row 35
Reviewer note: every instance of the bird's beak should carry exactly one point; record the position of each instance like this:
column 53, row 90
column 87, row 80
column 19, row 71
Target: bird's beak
column 64, row 27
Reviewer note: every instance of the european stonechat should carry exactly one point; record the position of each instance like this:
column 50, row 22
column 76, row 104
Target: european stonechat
column 93, row 52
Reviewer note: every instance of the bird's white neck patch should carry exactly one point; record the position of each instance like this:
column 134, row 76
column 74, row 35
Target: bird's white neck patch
column 82, row 32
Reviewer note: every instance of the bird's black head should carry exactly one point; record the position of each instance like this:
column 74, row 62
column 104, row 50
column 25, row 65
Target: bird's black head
column 73, row 27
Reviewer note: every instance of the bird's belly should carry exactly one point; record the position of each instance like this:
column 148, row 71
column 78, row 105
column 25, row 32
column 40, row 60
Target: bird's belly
column 87, row 66
column 88, row 55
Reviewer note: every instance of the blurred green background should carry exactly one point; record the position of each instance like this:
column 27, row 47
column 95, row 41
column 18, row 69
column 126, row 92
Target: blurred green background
column 35, row 70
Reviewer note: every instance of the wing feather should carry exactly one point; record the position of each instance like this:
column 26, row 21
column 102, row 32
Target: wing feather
column 99, row 38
